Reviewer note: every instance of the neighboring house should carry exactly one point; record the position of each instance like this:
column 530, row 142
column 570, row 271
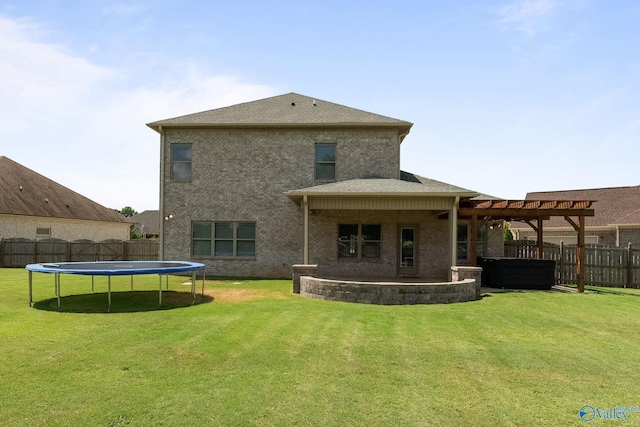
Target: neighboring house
column 616, row 221
column 147, row 224
column 254, row 188
column 35, row 207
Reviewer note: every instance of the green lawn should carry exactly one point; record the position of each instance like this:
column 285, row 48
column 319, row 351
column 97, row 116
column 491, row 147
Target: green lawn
column 255, row 354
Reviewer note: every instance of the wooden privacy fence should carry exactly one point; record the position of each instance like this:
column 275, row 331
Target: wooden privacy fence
column 604, row 266
column 20, row 252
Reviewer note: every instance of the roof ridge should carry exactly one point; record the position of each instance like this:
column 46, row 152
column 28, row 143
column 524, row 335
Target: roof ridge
column 290, row 109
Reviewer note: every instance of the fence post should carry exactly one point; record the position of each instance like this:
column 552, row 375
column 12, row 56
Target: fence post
column 629, row 267
column 1, row 253
column 561, row 262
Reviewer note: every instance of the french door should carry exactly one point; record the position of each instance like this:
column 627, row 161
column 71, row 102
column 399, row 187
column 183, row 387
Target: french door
column 408, row 250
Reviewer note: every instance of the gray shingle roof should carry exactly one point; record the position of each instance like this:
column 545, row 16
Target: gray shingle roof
column 408, row 185
column 25, row 192
column 150, row 220
column 291, row 109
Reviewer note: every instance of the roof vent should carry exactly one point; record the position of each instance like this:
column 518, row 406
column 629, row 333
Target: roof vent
column 293, row 104
column 21, row 188
column 46, row 200
column 314, row 103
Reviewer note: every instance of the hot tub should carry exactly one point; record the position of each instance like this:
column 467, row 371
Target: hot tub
column 517, row 273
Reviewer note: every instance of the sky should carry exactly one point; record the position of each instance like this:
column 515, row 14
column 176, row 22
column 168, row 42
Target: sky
column 506, row 96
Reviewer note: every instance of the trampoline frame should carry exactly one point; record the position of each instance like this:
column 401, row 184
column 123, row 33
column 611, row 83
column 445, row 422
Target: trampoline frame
column 116, row 268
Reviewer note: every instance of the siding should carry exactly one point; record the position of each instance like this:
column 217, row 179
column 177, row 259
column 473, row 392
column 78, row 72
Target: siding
column 17, row 226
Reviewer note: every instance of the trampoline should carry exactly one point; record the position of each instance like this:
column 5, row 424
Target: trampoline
column 116, row 268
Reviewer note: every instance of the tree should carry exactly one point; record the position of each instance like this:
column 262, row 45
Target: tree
column 128, row 211
column 508, row 235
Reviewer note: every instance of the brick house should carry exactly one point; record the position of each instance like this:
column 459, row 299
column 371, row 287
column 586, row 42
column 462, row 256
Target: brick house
column 254, row 188
column 616, row 221
column 35, row 207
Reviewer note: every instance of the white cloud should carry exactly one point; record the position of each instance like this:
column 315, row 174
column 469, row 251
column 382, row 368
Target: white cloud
column 528, row 16
column 71, row 120
column 40, row 81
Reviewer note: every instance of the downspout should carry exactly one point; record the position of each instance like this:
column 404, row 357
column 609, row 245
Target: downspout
column 162, row 220
column 617, row 235
column 454, row 232
column 305, row 249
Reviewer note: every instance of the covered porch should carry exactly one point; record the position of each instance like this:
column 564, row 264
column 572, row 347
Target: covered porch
column 380, row 228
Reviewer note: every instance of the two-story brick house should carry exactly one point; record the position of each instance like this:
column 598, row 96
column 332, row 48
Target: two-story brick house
column 254, row 188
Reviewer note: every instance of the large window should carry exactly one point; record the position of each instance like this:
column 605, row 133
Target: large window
column 359, row 241
column 224, row 239
column 325, row 162
column 464, row 241
column 181, row 162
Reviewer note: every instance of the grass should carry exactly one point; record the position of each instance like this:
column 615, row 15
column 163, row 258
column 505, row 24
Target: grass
column 254, row 354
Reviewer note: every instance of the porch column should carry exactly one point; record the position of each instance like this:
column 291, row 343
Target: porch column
column 305, row 248
column 580, row 253
column 453, row 232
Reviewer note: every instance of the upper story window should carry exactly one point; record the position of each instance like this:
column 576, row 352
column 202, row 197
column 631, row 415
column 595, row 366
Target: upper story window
column 180, row 162
column 325, row 162
column 464, row 241
column 359, row 241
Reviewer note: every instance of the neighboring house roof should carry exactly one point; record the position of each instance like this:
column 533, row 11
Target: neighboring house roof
column 25, row 192
column 408, row 185
column 148, row 222
column 289, row 110
column 612, row 206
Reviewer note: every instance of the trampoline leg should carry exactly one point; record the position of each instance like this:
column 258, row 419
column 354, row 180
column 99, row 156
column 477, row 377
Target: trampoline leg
column 93, row 285
column 160, row 291
column 58, row 290
column 193, row 286
column 203, row 276
column 167, row 280
column 132, row 282
column 109, row 293
column 30, row 288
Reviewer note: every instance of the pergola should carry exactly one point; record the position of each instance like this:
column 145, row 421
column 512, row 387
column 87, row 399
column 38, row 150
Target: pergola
column 532, row 212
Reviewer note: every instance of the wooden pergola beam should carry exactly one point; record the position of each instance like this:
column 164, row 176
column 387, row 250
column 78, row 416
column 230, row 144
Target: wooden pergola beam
column 515, row 213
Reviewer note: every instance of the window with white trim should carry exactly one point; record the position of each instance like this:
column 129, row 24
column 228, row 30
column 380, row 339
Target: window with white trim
column 223, row 239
